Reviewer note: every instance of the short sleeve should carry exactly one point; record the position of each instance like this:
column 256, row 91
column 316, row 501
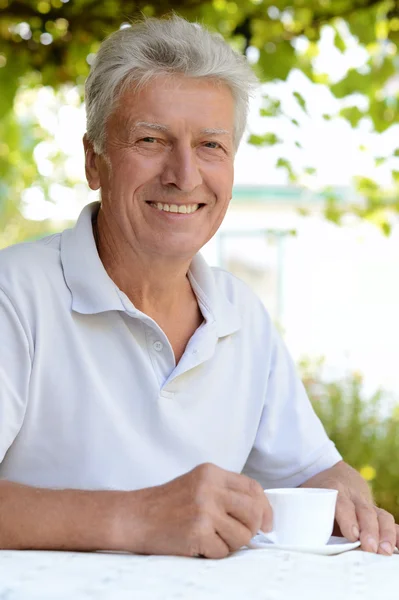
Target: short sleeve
column 15, row 370
column 291, row 444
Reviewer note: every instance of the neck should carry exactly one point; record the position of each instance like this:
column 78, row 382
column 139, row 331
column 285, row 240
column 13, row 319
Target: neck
column 154, row 285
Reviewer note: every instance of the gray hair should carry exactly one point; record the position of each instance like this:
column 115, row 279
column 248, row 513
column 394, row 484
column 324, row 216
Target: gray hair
column 152, row 47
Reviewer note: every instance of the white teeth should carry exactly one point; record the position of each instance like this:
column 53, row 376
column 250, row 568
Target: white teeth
column 174, row 208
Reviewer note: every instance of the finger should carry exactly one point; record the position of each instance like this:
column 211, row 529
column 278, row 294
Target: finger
column 254, row 514
column 243, row 484
column 242, row 508
column 397, row 536
column 368, row 526
column 214, row 547
column 387, row 531
column 345, row 515
column 250, row 487
column 233, row 533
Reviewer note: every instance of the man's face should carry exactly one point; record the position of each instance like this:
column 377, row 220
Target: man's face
column 169, row 147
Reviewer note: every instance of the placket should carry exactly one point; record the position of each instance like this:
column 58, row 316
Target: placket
column 158, row 346
column 200, row 348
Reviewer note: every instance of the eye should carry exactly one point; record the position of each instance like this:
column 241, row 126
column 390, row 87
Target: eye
column 212, row 145
column 149, row 140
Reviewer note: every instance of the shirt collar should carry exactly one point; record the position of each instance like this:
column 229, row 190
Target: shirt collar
column 225, row 315
column 93, row 291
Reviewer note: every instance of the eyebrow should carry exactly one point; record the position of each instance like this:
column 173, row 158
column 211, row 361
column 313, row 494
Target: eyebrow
column 156, row 126
column 208, row 131
column 159, row 127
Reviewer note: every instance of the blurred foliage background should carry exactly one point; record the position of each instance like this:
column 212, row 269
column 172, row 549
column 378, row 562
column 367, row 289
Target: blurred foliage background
column 364, row 429
column 51, row 43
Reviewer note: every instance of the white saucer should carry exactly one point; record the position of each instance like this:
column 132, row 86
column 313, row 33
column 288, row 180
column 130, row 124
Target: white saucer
column 335, row 545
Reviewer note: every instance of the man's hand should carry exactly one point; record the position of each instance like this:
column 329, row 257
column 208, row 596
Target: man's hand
column 206, row 512
column 356, row 514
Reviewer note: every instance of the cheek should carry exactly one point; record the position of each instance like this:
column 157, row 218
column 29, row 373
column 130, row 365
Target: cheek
column 134, row 172
column 223, row 190
column 219, row 177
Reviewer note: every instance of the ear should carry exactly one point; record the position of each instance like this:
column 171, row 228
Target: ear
column 91, row 164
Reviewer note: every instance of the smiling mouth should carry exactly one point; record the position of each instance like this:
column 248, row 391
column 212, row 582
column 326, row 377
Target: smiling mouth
column 184, row 209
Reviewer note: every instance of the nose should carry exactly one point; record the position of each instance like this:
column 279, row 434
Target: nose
column 181, row 169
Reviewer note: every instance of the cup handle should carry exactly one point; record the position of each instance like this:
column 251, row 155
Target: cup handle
column 270, row 535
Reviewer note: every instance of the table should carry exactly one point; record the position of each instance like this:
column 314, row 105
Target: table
column 246, row 574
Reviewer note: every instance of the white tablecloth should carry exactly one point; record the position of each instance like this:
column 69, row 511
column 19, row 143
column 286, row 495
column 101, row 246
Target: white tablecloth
column 245, row 575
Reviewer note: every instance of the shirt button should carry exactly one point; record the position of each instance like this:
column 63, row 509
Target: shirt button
column 158, row 346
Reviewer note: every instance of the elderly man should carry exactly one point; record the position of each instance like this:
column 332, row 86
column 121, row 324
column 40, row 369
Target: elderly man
column 145, row 398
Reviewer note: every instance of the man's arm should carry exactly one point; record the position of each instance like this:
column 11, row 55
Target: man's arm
column 356, row 514
column 45, row 519
column 208, row 511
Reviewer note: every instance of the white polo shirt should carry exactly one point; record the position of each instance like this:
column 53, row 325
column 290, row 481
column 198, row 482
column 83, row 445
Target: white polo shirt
column 91, row 397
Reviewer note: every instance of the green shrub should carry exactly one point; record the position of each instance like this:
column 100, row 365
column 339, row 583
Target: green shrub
column 365, row 430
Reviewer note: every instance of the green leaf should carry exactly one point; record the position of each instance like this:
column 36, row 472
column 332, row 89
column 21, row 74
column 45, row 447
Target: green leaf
column 382, row 115
column 332, row 211
column 276, row 65
column 353, row 82
column 362, row 25
column 352, row 114
column 272, row 107
column 268, row 139
column 380, row 160
column 301, row 101
column 339, row 42
column 386, row 228
column 283, row 163
column 310, row 170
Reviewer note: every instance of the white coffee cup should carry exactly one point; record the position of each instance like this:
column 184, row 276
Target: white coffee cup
column 302, row 516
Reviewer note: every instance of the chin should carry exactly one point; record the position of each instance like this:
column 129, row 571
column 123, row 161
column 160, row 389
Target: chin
column 180, row 252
